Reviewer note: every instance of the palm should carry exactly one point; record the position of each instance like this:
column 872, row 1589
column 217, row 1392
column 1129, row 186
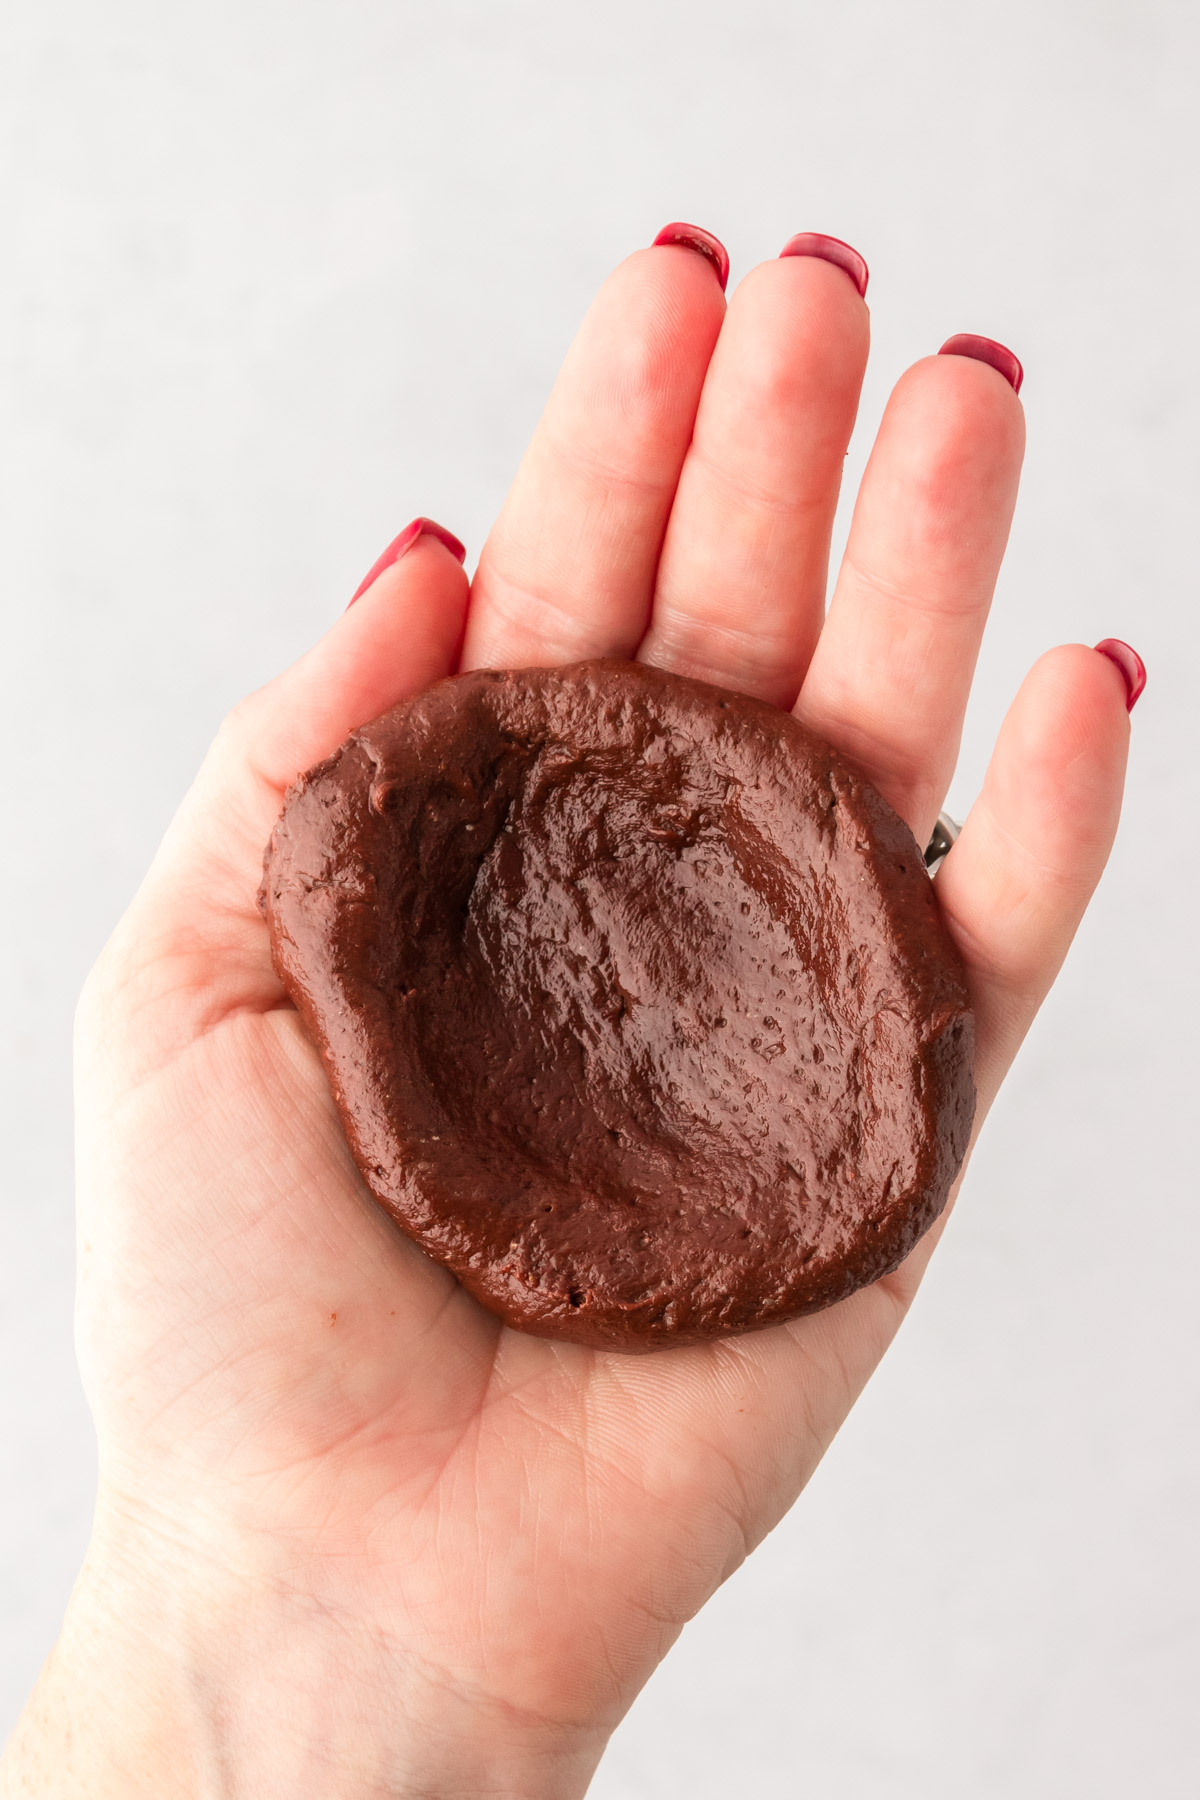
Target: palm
column 334, row 1391
column 271, row 1363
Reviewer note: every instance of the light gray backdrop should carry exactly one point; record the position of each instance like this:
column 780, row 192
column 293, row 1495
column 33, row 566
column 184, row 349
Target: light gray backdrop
column 277, row 275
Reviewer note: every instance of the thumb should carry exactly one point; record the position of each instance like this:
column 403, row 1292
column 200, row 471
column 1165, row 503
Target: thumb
column 193, row 933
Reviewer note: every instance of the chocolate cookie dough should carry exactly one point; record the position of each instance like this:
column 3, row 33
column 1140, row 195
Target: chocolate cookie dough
column 634, row 998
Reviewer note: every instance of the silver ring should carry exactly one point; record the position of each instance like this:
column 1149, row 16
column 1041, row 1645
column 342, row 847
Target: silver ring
column 944, row 834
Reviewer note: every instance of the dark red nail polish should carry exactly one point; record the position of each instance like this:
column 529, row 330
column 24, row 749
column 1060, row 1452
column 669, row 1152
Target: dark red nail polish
column 406, row 540
column 697, row 239
column 986, row 350
column 831, row 250
column 1132, row 668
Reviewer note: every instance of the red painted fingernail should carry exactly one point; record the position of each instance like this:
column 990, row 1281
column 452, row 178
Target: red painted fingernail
column 831, row 250
column 703, row 241
column 406, row 540
column 989, row 351
column 1132, row 668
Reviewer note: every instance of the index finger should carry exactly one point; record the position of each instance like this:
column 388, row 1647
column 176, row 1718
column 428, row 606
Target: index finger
column 568, row 569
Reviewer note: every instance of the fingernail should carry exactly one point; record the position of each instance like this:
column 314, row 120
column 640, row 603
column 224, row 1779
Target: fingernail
column 1133, row 669
column 986, row 350
column 696, row 239
column 398, row 546
column 831, row 250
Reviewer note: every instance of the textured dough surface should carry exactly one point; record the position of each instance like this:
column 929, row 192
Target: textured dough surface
column 634, row 998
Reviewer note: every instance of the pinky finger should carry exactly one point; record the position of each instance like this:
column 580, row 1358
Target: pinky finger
column 1034, row 846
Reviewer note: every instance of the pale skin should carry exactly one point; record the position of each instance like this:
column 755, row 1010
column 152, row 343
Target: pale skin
column 353, row 1537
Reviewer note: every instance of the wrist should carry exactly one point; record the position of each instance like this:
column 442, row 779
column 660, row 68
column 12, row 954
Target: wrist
column 179, row 1685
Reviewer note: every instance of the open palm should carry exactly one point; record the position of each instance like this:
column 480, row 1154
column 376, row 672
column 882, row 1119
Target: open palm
column 405, row 1506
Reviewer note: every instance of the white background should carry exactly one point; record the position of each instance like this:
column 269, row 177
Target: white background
column 277, row 276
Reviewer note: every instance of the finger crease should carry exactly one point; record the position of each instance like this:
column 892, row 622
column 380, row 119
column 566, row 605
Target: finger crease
column 870, row 583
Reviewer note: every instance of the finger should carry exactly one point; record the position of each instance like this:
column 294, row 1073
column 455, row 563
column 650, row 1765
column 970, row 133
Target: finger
column 1016, row 884
column 194, row 923
column 568, row 568
column 740, row 593
column 889, row 679
column 401, row 631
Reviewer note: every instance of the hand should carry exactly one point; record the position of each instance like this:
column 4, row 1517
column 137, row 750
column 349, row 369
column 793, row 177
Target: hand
column 354, row 1537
